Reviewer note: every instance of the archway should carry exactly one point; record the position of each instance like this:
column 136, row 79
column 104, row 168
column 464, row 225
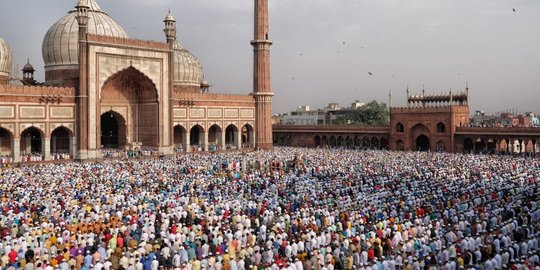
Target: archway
column 366, row 143
column 441, row 127
column 324, row 141
column 468, row 145
column 480, row 145
column 400, row 128
column 196, row 135
column 5, row 142
column 61, row 142
column 179, row 137
column 231, row 136
column 422, row 143
column 357, row 141
column 375, row 144
column 113, row 130
column 349, row 141
column 333, row 141
column 248, row 139
column 134, row 91
column 384, row 143
column 214, row 137
column 317, row 141
column 420, row 138
column 32, row 141
column 492, row 146
column 340, row 141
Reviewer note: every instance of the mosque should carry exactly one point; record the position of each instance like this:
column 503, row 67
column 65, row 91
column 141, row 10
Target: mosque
column 106, row 90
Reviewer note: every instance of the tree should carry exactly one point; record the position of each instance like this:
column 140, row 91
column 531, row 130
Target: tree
column 371, row 114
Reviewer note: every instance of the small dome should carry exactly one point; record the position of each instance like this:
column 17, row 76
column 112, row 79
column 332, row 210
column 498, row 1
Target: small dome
column 28, row 67
column 169, row 17
column 60, row 47
column 187, row 69
column 6, row 59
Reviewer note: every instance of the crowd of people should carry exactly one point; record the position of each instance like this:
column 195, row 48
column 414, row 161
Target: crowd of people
column 290, row 208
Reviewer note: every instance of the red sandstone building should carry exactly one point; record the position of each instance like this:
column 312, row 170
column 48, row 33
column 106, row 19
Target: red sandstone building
column 427, row 123
column 104, row 89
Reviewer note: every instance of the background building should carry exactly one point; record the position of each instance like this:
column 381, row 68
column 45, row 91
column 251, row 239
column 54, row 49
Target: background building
column 104, row 89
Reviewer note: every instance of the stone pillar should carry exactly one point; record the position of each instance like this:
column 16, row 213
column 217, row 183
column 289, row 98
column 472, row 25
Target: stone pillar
column 252, row 139
column 222, row 142
column 46, row 148
column 73, row 146
column 204, row 145
column 16, row 150
column 186, row 144
column 53, row 145
column 238, row 139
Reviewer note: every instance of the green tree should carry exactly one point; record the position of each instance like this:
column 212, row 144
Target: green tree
column 371, row 114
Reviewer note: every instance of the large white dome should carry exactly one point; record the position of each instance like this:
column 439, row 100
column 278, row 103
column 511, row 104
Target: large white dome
column 6, row 59
column 60, row 47
column 187, row 69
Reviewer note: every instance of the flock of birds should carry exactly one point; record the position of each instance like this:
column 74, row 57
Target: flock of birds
column 369, row 72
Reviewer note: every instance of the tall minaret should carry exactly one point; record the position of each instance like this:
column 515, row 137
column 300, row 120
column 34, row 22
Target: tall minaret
column 170, row 34
column 262, row 91
column 82, row 129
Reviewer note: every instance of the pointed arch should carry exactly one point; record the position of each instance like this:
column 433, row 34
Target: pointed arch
column 32, row 141
column 400, row 128
column 61, row 143
column 441, row 127
column 214, row 137
column 231, row 136
column 135, row 95
column 179, row 138
column 317, row 141
column 131, row 78
column 113, row 133
column 6, row 139
column 248, row 136
column 196, row 137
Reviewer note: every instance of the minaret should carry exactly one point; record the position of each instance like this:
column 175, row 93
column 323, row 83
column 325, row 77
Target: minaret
column 170, row 34
column 262, row 91
column 28, row 73
column 82, row 92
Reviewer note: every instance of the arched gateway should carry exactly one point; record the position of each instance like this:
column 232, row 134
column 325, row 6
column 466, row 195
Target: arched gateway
column 129, row 105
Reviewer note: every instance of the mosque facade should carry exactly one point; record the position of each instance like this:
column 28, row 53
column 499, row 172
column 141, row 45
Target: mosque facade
column 105, row 90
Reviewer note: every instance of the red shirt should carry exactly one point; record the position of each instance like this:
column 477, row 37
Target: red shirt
column 12, row 256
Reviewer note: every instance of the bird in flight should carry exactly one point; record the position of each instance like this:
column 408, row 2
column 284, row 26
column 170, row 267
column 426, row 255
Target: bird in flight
column 514, row 10
column 370, row 73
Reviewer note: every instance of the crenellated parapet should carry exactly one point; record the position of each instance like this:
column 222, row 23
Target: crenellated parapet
column 36, row 90
column 127, row 42
column 437, row 109
column 201, row 99
column 440, row 100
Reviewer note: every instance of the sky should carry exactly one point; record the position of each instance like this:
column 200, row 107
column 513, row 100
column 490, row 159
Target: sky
column 324, row 50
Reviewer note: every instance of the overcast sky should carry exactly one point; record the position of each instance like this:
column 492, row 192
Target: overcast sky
column 324, row 49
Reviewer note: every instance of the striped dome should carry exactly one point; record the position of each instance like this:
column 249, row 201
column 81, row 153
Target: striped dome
column 60, row 47
column 187, row 69
column 6, row 59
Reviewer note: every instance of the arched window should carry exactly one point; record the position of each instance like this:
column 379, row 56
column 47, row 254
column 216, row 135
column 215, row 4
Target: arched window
column 400, row 128
column 441, row 128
